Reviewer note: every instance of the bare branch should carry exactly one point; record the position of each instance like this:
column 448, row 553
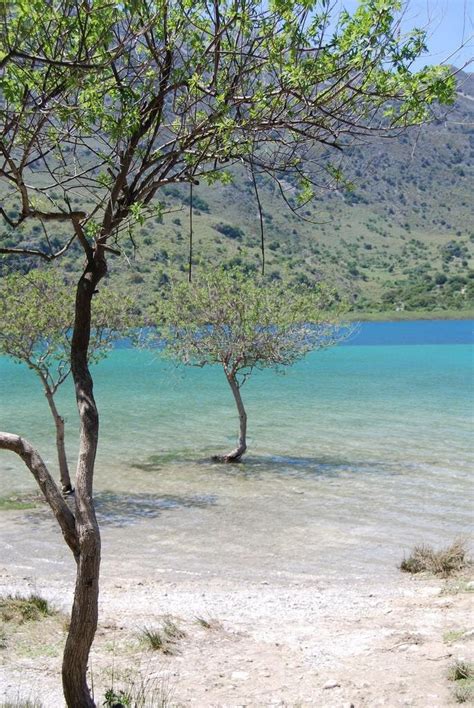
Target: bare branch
column 260, row 215
column 51, row 493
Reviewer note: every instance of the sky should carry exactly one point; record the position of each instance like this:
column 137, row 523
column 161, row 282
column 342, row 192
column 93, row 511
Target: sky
column 449, row 24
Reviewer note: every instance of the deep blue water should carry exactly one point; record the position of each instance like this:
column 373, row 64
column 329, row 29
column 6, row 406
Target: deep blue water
column 416, row 332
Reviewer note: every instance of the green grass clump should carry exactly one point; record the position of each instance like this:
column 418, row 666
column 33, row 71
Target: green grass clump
column 116, row 698
column 453, row 635
column 444, row 562
column 15, row 608
column 17, row 503
column 139, row 692
column 156, row 640
column 462, row 674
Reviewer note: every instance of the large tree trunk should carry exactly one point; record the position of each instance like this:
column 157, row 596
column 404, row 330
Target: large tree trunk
column 236, row 454
column 66, row 485
column 85, row 607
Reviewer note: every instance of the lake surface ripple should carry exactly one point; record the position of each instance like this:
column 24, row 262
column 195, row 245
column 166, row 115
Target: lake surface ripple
column 355, row 454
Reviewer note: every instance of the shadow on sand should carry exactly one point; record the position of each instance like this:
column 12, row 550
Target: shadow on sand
column 258, row 467
column 316, row 468
column 118, row 509
column 122, row 509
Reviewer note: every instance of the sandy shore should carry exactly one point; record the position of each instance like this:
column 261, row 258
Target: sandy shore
column 306, row 642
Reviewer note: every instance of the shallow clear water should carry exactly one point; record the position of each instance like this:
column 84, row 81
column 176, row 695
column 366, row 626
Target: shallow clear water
column 355, row 454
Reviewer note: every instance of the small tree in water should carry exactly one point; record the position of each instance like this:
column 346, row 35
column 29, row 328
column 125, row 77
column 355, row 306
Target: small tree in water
column 36, row 324
column 243, row 324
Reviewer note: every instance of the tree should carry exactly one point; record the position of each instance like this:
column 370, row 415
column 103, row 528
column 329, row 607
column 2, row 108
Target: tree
column 242, row 324
column 104, row 103
column 36, row 322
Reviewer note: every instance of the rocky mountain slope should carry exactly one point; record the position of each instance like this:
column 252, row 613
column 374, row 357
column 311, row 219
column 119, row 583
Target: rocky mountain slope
column 400, row 238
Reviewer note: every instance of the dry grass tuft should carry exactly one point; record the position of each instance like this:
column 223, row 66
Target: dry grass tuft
column 464, row 693
column 15, row 608
column 171, row 630
column 461, row 670
column 164, row 638
column 444, row 562
column 208, row 623
column 462, row 673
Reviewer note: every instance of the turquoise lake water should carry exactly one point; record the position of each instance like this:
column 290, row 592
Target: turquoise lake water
column 355, row 454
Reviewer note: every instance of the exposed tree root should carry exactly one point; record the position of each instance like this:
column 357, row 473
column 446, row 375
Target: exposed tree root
column 230, row 458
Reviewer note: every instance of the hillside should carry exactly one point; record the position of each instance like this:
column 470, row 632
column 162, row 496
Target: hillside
column 400, row 239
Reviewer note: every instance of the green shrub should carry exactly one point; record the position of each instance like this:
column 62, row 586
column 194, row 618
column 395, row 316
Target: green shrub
column 230, row 231
column 14, row 608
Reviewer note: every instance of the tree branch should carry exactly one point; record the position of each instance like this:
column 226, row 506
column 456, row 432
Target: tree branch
column 51, row 493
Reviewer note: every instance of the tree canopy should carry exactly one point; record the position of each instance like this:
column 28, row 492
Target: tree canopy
column 37, row 318
column 226, row 317
column 107, row 102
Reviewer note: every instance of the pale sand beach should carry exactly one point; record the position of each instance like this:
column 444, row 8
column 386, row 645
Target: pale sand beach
column 301, row 641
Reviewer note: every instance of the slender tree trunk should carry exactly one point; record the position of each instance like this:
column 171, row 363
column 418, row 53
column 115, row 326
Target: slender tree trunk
column 66, row 485
column 236, row 454
column 85, row 607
